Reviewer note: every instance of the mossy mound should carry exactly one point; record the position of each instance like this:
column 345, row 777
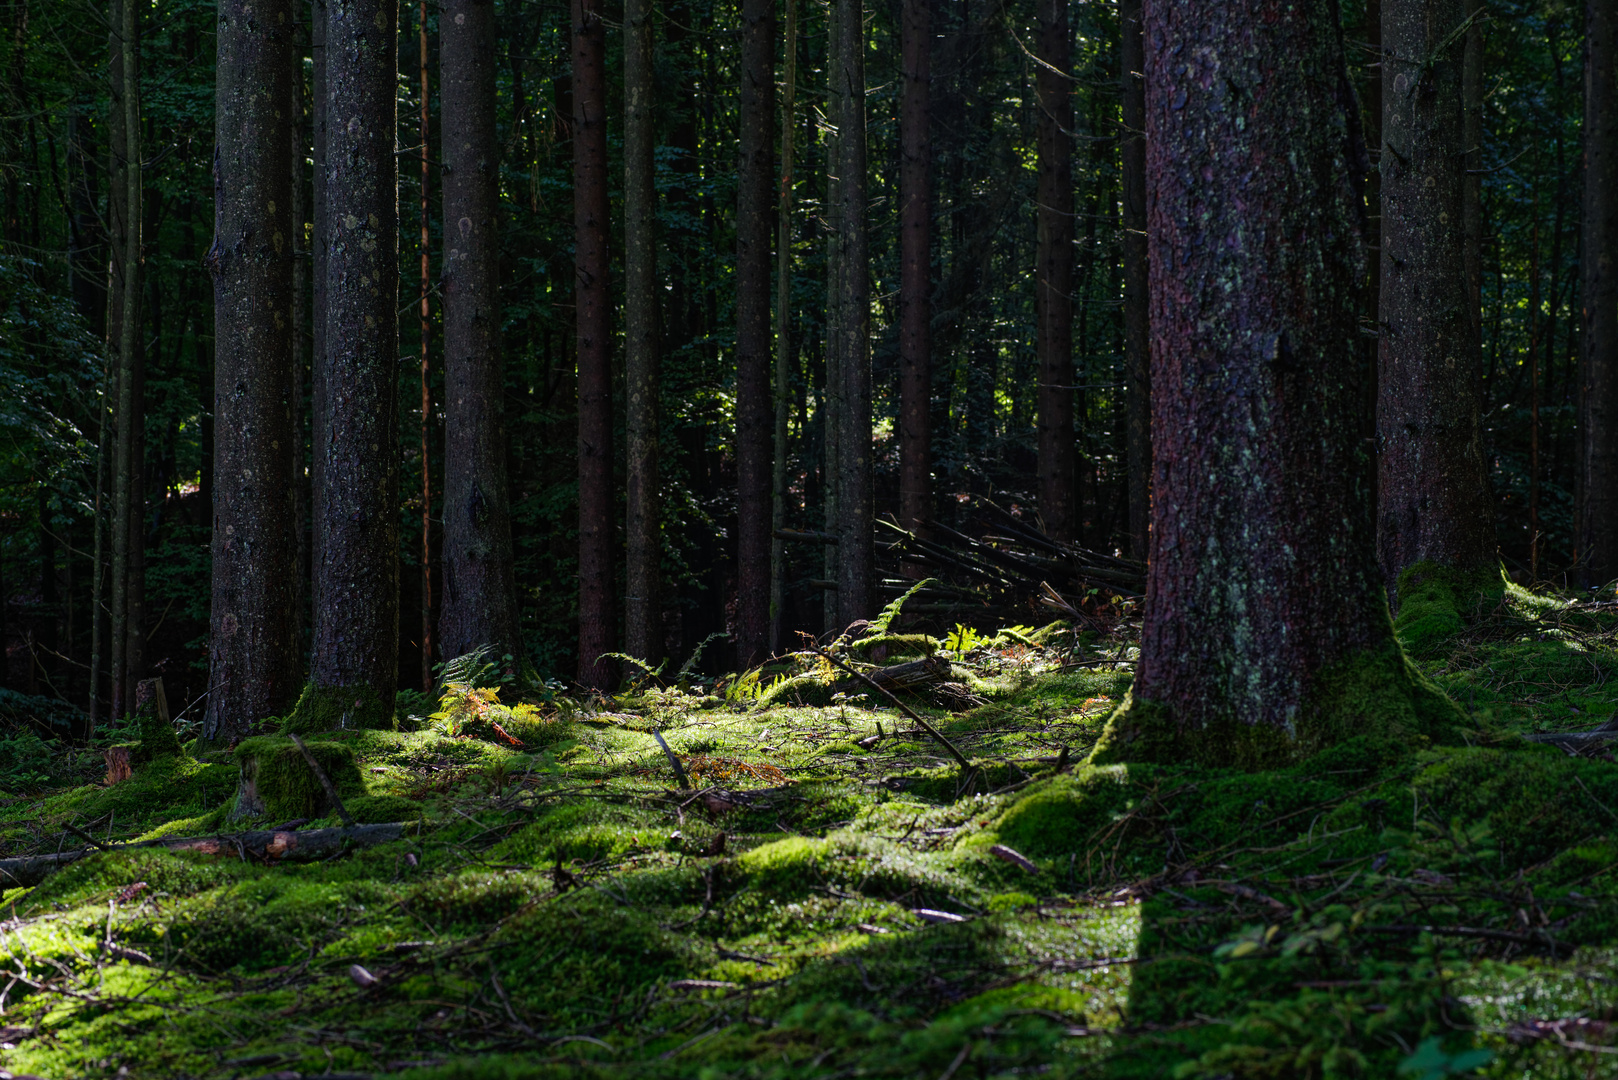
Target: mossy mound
column 1436, row 602
column 323, row 709
column 883, row 648
column 382, row 809
column 277, row 783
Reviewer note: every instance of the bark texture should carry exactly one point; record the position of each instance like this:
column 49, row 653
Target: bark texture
column 254, row 668
column 1266, row 633
column 354, row 670
column 856, row 577
column 480, row 586
column 755, row 413
column 1598, row 400
column 784, row 353
column 915, row 266
column 1432, row 493
column 1053, row 289
column 593, row 312
column 643, row 623
column 1137, row 322
column 831, row 389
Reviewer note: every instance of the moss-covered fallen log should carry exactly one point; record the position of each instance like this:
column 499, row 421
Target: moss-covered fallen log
column 262, row 845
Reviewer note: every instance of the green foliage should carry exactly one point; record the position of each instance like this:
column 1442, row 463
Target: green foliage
column 1435, row 602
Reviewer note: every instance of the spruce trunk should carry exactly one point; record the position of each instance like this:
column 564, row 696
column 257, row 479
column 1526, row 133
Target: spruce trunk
column 856, row 577
column 915, row 266
column 354, row 670
column 1137, row 325
column 1432, row 493
column 1053, row 287
column 253, row 663
column 593, row 312
column 479, row 575
column 1598, row 404
column 1266, row 635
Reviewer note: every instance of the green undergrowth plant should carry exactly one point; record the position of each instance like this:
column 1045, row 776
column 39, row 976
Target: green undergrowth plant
column 831, row 894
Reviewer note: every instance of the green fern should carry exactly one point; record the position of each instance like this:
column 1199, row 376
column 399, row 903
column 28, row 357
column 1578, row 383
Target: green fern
column 881, row 623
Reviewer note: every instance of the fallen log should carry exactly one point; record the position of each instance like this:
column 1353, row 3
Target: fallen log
column 264, row 845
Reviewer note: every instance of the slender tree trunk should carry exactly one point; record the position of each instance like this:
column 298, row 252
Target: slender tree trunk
column 1371, row 319
column 593, row 314
column 1053, row 289
column 1137, row 328
column 1433, row 496
column 856, row 579
column 783, row 332
column 253, row 663
column 754, row 414
column 1266, row 635
column 319, row 245
column 643, row 614
column 480, row 584
column 831, row 405
column 126, row 229
column 1598, row 400
column 1472, row 183
column 426, row 334
column 296, row 448
column 915, row 266
column 355, row 667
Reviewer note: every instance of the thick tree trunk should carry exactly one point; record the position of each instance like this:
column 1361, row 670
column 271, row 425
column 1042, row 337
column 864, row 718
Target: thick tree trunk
column 643, row 612
column 1137, row 339
column 354, row 672
column 318, row 246
column 424, row 332
column 296, row 448
column 1432, row 493
column 755, row 415
column 915, row 266
column 1598, row 400
column 1266, row 634
column 479, row 575
column 1370, row 338
column 593, row 314
column 1053, row 287
column 254, row 668
column 856, row 557
column 784, row 354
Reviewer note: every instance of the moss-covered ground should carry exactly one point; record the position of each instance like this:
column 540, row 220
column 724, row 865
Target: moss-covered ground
column 822, row 904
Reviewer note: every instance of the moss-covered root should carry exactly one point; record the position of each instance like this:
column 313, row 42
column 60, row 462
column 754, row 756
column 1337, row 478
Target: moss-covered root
column 1378, row 693
column 338, row 708
column 276, row 780
column 1436, row 601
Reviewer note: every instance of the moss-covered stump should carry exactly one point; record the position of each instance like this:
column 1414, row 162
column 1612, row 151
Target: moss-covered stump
column 338, row 708
column 1435, row 602
column 1379, row 694
column 276, row 781
column 157, row 737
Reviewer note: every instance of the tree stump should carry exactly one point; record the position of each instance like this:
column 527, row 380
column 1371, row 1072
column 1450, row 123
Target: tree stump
column 276, row 780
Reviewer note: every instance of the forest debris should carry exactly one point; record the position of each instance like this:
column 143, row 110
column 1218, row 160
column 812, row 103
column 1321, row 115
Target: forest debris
column 955, row 753
column 118, row 766
column 263, row 844
column 1000, row 851
column 362, row 978
column 674, row 762
column 933, row 916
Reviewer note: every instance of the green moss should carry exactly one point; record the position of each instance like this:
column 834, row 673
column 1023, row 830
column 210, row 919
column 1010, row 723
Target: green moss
column 1061, row 816
column 886, row 648
column 1436, row 601
column 338, row 708
column 799, row 690
column 284, row 784
column 1379, row 693
column 382, row 809
column 157, row 737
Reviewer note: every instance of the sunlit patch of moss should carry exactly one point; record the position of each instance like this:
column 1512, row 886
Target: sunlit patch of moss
column 1435, row 602
column 285, row 786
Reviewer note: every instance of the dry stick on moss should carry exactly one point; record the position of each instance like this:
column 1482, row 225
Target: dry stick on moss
column 966, row 765
column 325, row 782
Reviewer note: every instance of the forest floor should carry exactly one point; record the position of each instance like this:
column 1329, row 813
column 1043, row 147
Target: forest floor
column 822, row 903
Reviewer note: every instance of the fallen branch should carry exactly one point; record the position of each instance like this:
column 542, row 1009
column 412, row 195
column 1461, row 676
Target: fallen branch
column 267, row 845
column 325, row 781
column 966, row 766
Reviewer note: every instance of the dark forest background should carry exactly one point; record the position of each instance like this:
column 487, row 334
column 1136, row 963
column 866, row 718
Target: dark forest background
column 54, row 155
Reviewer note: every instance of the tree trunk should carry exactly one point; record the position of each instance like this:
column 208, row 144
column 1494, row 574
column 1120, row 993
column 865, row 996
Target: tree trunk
column 1598, row 402
column 755, row 416
column 643, row 613
column 1053, row 287
column 318, row 246
column 783, row 333
column 593, row 312
column 254, row 668
column 831, row 404
column 124, row 337
column 915, row 266
column 425, row 334
column 1266, row 635
column 856, row 557
column 480, row 584
column 1370, row 338
column 355, row 667
column 1137, row 328
column 295, row 449
column 1432, row 493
